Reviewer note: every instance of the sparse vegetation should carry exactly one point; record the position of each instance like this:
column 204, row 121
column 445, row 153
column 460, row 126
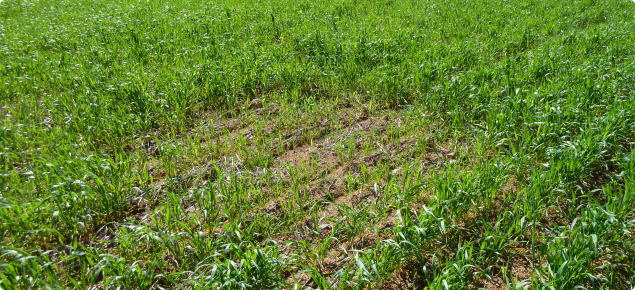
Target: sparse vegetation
column 349, row 144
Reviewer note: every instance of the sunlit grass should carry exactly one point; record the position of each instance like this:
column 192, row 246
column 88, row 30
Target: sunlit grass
column 333, row 145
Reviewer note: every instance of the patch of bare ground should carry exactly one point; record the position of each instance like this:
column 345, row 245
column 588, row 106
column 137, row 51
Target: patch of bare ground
column 517, row 269
column 401, row 280
column 326, row 153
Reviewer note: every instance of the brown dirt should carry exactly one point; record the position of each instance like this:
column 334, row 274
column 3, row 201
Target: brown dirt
column 519, row 270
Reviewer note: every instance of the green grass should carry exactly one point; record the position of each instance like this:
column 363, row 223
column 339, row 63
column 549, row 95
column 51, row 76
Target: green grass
column 329, row 144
